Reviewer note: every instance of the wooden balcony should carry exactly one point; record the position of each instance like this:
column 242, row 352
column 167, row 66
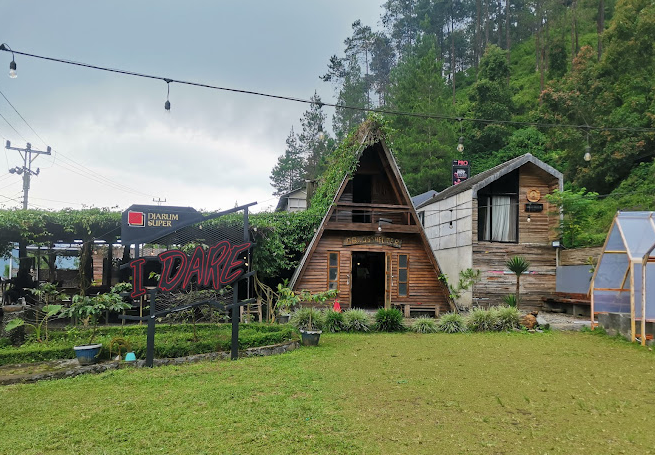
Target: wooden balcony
column 353, row 216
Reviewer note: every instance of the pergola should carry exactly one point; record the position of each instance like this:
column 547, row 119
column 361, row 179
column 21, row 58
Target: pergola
column 626, row 266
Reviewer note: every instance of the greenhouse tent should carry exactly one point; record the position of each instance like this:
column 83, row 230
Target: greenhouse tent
column 625, row 275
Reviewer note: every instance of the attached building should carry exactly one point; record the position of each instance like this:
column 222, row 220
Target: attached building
column 485, row 220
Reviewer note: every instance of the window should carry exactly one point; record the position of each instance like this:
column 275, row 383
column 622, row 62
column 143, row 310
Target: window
column 333, row 271
column 421, row 217
column 498, row 210
column 403, row 275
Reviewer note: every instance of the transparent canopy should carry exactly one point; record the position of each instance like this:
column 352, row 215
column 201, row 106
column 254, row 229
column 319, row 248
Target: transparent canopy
column 629, row 245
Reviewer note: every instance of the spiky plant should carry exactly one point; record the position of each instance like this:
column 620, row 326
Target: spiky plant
column 425, row 325
column 517, row 265
column 356, row 321
column 452, row 323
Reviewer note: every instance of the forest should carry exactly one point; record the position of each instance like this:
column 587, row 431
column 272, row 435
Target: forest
column 571, row 82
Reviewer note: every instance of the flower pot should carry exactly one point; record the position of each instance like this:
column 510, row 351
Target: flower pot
column 310, row 337
column 87, row 354
column 130, row 357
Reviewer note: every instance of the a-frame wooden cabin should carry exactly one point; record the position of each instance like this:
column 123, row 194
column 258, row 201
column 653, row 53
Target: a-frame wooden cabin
column 371, row 245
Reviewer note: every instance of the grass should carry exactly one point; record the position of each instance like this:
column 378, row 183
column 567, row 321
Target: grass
column 356, row 393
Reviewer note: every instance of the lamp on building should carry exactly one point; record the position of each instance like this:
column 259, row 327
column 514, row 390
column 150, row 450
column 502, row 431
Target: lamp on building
column 383, row 220
column 529, row 219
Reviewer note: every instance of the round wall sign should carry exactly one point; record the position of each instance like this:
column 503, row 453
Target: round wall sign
column 534, row 195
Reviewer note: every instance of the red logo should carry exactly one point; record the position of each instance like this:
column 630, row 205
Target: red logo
column 136, row 219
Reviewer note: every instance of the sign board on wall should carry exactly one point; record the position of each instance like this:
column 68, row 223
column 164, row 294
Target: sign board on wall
column 461, row 171
column 140, row 223
column 372, row 239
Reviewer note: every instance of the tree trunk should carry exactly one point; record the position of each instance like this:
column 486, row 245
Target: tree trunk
column 478, row 37
column 600, row 26
column 499, row 17
column 452, row 49
column 507, row 28
column 486, row 23
column 518, row 285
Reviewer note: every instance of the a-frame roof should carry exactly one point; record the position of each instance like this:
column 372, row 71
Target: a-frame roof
column 485, row 178
column 372, row 138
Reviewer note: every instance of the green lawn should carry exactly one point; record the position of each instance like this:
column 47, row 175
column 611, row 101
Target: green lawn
column 379, row 393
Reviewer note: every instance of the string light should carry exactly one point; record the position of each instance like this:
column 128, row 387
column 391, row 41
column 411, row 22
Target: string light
column 167, row 104
column 587, row 150
column 12, row 65
column 6, row 48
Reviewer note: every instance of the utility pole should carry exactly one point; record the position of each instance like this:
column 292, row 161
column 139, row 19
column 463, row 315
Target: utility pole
column 28, row 154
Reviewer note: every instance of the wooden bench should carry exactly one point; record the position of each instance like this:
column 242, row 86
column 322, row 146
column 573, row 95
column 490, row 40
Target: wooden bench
column 407, row 308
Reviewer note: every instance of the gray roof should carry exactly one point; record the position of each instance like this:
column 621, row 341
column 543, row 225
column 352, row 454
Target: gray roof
column 485, row 178
column 421, row 198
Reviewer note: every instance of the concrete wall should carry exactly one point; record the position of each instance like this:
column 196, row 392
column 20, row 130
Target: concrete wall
column 448, row 226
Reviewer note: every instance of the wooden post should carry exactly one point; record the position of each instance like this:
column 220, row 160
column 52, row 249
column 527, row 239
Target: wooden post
column 632, row 302
column 593, row 321
column 643, row 303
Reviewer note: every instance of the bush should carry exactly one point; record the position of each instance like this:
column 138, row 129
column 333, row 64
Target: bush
column 170, row 341
column 390, row 320
column 452, row 323
column 307, row 318
column 425, row 325
column 333, row 321
column 481, row 320
column 508, row 318
column 356, row 321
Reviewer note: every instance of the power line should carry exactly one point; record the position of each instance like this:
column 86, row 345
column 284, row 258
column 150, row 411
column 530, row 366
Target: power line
column 169, row 81
column 73, row 164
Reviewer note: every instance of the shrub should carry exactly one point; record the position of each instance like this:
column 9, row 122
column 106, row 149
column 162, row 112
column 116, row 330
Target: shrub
column 307, row 318
column 425, row 325
column 510, row 300
column 508, row 318
column 452, row 323
column 356, row 321
column 333, row 321
column 481, row 320
column 390, row 320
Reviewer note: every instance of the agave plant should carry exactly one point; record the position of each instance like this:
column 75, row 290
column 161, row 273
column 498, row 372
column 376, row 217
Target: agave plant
column 517, row 265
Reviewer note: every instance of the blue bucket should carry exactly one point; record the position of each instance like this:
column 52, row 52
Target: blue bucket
column 88, row 354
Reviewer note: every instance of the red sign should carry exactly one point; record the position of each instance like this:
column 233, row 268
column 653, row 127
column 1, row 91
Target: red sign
column 136, row 219
column 220, row 265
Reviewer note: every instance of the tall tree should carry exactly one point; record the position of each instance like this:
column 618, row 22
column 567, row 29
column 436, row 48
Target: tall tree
column 489, row 98
column 288, row 173
column 423, row 147
column 313, row 139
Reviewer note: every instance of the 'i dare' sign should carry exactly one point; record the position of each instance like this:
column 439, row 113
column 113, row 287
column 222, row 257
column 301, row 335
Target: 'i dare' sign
column 220, row 265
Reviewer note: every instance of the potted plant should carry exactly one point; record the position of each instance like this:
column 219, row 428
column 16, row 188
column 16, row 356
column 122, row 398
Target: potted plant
column 287, row 299
column 309, row 321
column 88, row 310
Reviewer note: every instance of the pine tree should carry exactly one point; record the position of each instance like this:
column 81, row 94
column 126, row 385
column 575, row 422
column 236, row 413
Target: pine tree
column 423, row 147
column 288, row 173
column 313, row 140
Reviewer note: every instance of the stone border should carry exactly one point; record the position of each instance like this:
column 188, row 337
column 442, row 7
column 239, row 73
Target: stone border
column 74, row 369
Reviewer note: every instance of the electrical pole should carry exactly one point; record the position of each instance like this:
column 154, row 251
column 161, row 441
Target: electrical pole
column 28, row 154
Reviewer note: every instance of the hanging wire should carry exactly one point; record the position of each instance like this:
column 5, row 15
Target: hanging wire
column 322, row 103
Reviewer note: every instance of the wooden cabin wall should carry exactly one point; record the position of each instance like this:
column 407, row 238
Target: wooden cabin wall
column 542, row 225
column 534, row 245
column 424, row 285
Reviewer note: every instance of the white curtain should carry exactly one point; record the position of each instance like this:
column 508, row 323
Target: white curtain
column 502, row 220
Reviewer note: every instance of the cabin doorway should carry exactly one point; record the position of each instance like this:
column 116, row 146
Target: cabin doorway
column 368, row 280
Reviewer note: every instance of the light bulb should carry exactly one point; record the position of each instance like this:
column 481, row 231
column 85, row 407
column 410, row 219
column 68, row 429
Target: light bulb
column 379, row 228
column 167, row 106
column 529, row 218
column 460, row 146
column 12, row 70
